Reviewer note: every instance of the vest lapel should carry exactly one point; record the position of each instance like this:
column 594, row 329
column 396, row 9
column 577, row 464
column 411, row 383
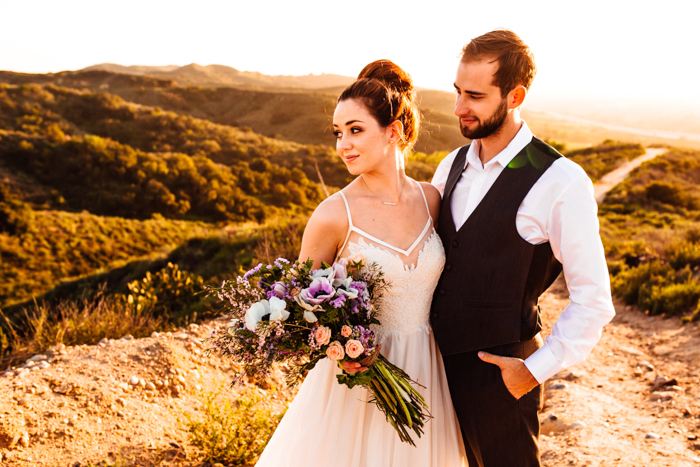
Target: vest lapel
column 455, row 172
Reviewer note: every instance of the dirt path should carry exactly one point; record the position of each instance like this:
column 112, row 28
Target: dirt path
column 607, row 410
column 609, row 180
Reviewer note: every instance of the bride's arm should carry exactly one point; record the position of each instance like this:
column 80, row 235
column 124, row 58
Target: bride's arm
column 325, row 232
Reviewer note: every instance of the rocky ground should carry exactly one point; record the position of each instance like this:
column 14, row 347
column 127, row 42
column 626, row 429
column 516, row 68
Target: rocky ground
column 634, row 402
column 121, row 402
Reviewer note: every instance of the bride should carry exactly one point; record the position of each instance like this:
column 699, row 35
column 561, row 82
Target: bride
column 389, row 219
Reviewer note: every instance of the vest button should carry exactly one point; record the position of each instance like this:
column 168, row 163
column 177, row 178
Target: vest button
column 455, row 243
column 434, row 315
column 448, row 267
column 442, row 292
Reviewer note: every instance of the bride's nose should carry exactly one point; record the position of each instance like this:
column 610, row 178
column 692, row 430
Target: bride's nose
column 343, row 143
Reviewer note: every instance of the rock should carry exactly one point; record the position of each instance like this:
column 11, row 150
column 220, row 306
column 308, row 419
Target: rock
column 638, row 371
column 578, row 425
column 661, row 396
column 159, row 383
column 652, row 436
column 124, row 386
column 557, row 386
column 128, row 337
column 134, row 381
column 198, row 387
column 646, row 366
column 121, row 401
column 37, row 358
column 676, row 388
column 662, row 381
column 181, row 335
column 43, row 365
column 150, row 386
column 181, row 379
column 58, row 348
column 23, row 402
column 692, row 437
column 155, row 335
column 687, row 412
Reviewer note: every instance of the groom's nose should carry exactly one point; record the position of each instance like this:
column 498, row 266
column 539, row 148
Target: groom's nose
column 461, row 107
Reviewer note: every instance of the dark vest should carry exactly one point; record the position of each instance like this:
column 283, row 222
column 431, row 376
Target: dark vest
column 487, row 294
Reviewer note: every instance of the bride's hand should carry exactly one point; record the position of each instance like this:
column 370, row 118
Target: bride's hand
column 355, row 367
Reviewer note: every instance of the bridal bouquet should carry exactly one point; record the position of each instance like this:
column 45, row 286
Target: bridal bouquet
column 290, row 313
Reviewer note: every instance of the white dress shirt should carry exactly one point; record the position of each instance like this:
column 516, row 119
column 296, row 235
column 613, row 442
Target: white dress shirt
column 559, row 209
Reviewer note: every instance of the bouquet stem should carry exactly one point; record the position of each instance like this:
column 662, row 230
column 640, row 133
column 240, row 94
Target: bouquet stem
column 400, row 402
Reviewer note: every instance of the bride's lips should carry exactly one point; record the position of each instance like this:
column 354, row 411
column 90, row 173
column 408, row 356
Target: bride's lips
column 351, row 158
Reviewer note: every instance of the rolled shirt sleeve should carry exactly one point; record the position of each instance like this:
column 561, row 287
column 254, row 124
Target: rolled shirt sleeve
column 573, row 233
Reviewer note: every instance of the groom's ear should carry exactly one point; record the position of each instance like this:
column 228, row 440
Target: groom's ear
column 516, row 97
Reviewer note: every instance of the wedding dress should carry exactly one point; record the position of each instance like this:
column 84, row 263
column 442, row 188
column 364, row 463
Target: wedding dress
column 328, row 424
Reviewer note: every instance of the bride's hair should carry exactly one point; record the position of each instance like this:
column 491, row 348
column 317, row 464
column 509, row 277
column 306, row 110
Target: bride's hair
column 387, row 92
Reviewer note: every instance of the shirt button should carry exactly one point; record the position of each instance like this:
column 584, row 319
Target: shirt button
column 442, row 292
column 448, row 267
column 434, row 315
column 455, row 243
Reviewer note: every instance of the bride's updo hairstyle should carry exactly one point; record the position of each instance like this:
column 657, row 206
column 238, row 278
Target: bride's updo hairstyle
column 387, row 93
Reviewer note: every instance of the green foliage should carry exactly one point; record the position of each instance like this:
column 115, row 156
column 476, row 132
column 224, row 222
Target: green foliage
column 651, row 230
column 63, row 245
column 170, row 291
column 74, row 322
column 231, row 432
column 603, row 158
column 15, row 216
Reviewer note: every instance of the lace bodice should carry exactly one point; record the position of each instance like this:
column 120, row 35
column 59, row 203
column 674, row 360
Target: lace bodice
column 405, row 306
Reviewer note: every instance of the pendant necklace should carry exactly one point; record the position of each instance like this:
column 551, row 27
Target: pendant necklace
column 375, row 195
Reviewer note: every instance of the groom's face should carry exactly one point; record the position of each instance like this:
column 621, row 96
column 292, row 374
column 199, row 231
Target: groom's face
column 479, row 105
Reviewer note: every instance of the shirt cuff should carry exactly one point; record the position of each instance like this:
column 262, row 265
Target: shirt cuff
column 543, row 364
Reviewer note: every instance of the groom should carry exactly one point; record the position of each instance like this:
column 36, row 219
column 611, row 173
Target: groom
column 514, row 214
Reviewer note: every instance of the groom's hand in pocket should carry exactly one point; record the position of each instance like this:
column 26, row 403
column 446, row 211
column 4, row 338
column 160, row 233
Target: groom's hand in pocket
column 517, row 378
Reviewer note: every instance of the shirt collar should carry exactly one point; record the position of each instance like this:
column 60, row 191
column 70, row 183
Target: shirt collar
column 517, row 144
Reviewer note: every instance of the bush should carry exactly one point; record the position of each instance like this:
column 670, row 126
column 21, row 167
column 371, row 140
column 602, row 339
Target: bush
column 233, row 433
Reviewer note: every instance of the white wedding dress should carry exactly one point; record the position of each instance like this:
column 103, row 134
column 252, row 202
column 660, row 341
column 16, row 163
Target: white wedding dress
column 328, row 424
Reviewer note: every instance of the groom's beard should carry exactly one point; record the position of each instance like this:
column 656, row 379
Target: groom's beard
column 491, row 126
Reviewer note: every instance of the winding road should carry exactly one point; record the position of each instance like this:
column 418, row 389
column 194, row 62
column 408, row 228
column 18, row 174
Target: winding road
column 609, row 180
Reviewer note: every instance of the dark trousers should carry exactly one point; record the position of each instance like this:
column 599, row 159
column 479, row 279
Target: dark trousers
column 498, row 430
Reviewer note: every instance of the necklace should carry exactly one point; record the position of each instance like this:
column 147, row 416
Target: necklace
column 375, row 195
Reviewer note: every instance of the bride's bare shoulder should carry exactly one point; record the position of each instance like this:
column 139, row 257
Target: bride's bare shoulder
column 330, row 216
column 432, row 196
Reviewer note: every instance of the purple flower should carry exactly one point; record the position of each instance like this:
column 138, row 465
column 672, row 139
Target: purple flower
column 338, row 302
column 320, row 291
column 252, row 271
column 279, row 289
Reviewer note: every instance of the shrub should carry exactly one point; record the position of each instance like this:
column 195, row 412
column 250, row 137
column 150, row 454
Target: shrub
column 666, row 193
column 229, row 432
column 673, row 299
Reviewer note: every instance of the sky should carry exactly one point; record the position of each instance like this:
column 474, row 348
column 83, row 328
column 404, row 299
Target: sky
column 593, row 50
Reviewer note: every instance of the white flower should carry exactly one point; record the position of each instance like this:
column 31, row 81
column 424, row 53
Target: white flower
column 255, row 314
column 328, row 273
column 278, row 310
column 343, row 287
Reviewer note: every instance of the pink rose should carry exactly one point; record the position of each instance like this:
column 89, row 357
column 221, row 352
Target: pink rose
column 354, row 348
column 322, row 334
column 335, row 351
column 358, row 258
column 346, row 331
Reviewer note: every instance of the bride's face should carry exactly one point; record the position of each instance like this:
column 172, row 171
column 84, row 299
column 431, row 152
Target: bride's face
column 360, row 141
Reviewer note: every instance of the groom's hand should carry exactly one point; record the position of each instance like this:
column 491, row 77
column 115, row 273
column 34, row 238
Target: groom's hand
column 517, row 378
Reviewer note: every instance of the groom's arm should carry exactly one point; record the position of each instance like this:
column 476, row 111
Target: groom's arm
column 573, row 233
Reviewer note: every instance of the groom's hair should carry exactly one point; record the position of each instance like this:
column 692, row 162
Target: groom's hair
column 516, row 64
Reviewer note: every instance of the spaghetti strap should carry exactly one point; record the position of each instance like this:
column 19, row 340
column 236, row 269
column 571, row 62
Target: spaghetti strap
column 424, row 199
column 347, row 208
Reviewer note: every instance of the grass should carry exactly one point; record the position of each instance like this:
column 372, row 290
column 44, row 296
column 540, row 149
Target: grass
column 231, row 432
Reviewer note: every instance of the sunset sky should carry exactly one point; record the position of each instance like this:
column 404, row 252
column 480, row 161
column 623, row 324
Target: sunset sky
column 593, row 49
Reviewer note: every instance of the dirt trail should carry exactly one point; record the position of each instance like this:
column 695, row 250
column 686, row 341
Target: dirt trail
column 607, row 410
column 608, row 181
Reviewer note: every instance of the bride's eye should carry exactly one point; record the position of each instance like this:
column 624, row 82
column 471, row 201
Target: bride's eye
column 337, row 134
column 355, row 130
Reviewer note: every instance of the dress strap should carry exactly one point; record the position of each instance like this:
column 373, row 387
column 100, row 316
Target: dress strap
column 347, row 208
column 424, row 199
